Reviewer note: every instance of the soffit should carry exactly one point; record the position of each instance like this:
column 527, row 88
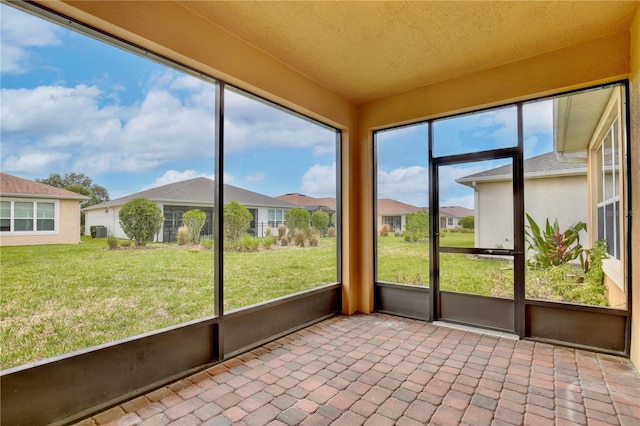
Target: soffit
column 576, row 118
column 370, row 50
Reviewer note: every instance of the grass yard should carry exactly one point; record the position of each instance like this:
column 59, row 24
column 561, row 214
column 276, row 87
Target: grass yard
column 408, row 263
column 57, row 299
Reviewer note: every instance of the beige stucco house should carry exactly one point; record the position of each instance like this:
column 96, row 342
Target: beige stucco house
column 33, row 213
column 450, row 216
column 553, row 189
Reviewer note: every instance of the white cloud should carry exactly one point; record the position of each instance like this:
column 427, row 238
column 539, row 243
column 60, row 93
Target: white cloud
column 33, row 163
column 250, row 124
column 320, row 181
column 538, row 117
column 105, row 137
column 255, row 177
column 464, row 201
column 19, row 34
column 407, row 184
column 171, row 176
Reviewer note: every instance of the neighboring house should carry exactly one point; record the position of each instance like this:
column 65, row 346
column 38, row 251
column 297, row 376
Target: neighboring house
column 450, row 216
column 553, row 189
column 176, row 198
column 394, row 213
column 311, row 204
column 581, row 180
column 33, row 213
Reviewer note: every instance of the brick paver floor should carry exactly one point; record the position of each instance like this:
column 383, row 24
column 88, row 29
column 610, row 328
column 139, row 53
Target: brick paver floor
column 383, row 370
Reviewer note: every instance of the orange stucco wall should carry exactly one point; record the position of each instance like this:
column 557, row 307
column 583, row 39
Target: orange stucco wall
column 68, row 229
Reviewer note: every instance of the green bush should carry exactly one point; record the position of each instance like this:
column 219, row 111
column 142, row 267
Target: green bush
column 183, row 236
column 125, row 243
column 206, row 243
column 237, row 219
column 297, row 218
column 417, row 226
column 141, row 220
column 320, row 221
column 467, row 222
column 247, row 243
column 268, row 241
column 194, row 220
column 550, row 246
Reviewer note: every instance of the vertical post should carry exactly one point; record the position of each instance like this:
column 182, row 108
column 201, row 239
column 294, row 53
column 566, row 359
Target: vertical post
column 434, row 234
column 218, row 229
column 518, row 227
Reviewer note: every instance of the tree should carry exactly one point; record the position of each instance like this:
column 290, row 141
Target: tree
column 297, row 218
column 141, row 220
column 467, row 222
column 194, row 221
column 320, row 221
column 80, row 184
column 417, row 226
column 236, row 219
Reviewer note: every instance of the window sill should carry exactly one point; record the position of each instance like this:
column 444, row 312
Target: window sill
column 612, row 268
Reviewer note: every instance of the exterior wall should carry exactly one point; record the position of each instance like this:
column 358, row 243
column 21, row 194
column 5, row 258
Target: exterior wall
column 616, row 297
column 634, row 106
column 104, row 217
column 444, row 222
column 68, row 228
column 563, row 198
column 494, row 215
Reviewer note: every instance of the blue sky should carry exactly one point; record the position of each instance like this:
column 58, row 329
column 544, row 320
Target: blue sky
column 74, row 104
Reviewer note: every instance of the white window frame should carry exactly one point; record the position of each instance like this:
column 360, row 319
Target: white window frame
column 613, row 267
column 273, row 224
column 34, row 203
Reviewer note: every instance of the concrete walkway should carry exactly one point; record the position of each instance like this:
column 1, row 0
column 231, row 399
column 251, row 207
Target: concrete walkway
column 384, row 370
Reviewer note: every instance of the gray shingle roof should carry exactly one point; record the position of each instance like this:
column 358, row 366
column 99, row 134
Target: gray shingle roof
column 16, row 186
column 545, row 165
column 197, row 191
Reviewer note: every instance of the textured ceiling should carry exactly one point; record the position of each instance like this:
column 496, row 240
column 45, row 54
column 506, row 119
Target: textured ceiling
column 369, row 50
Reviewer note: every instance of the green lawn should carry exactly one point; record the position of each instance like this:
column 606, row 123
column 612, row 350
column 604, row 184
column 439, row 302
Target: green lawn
column 56, row 299
column 408, row 263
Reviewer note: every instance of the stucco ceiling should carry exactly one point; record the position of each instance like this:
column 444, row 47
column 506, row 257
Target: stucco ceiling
column 369, row 50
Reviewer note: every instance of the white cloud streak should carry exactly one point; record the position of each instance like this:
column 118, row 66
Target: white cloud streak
column 320, row 181
column 19, row 34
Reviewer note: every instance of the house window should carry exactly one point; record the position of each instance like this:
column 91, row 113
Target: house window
column 5, row 216
column 608, row 190
column 450, row 221
column 45, row 216
column 27, row 216
column 276, row 218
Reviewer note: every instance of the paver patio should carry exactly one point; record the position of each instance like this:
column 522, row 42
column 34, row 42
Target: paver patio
column 383, row 370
